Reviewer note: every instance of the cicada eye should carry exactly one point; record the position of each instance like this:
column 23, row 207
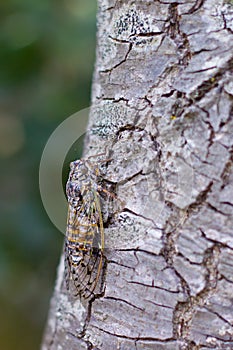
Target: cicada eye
column 71, row 166
column 75, row 164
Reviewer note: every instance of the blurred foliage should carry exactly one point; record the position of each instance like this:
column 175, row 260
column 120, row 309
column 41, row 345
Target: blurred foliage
column 46, row 63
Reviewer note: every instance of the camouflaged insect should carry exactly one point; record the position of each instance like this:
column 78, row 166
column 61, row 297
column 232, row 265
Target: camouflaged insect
column 84, row 242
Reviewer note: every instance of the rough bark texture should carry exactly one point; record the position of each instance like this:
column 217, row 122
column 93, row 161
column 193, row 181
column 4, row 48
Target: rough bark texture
column 163, row 109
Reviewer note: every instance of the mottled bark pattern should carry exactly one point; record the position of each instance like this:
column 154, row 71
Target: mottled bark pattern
column 162, row 106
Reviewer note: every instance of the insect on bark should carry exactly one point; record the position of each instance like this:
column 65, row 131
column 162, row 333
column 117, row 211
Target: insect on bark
column 84, row 241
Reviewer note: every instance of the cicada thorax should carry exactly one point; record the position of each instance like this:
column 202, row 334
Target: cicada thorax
column 84, row 235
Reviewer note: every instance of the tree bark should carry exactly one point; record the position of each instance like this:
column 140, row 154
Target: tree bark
column 162, row 107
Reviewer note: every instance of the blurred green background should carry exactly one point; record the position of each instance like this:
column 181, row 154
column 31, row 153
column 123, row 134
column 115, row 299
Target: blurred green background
column 47, row 53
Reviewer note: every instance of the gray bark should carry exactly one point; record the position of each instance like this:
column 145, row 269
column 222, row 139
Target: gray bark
column 162, row 106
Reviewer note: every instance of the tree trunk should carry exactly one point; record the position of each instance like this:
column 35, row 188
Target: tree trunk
column 162, row 107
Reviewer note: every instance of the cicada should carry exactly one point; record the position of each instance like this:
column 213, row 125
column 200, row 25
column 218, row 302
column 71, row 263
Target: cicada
column 84, row 241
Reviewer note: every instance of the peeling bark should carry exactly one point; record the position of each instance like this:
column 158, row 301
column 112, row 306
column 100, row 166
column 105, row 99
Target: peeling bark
column 162, row 107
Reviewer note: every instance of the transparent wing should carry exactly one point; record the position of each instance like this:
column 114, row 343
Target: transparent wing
column 84, row 279
column 84, row 245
